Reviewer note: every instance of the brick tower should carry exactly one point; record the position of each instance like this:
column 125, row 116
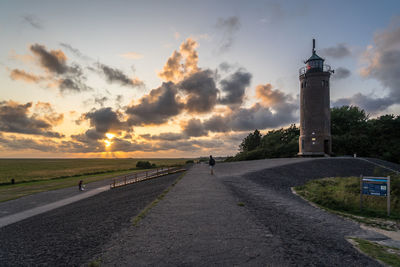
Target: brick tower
column 315, row 114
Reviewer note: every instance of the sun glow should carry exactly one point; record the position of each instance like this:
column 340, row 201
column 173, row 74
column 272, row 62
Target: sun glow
column 108, row 143
column 110, row 135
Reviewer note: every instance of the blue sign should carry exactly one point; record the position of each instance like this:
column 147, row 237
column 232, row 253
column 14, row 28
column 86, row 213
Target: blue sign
column 374, row 186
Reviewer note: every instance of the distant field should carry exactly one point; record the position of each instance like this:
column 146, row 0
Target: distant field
column 25, row 170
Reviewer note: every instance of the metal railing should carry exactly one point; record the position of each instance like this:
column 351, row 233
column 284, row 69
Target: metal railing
column 144, row 175
column 304, row 70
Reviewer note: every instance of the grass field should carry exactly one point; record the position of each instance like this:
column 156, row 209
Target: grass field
column 27, row 170
column 343, row 194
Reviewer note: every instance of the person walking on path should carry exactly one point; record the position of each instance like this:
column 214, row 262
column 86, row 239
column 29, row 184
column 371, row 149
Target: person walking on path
column 80, row 185
column 211, row 162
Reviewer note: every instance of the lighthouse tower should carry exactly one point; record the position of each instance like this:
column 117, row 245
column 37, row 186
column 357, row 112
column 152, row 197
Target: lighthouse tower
column 315, row 115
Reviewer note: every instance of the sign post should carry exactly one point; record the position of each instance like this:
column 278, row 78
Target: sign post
column 375, row 186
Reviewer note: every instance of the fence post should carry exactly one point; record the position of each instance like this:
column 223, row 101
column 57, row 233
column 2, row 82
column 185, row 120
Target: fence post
column 388, row 196
column 361, row 198
column 146, row 174
column 125, row 179
column 114, row 183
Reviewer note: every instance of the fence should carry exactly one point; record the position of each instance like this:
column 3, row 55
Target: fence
column 142, row 176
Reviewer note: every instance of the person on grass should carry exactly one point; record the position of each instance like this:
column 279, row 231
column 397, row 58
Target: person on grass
column 80, row 185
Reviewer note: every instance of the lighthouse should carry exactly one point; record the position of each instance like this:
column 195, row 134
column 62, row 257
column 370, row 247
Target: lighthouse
column 315, row 114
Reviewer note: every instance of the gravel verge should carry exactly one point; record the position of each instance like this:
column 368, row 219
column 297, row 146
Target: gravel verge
column 71, row 235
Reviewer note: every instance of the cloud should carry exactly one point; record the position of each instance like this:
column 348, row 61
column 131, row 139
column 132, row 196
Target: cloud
column 164, row 136
column 14, row 143
column 201, row 91
column 75, row 51
column 73, row 85
column 17, row 74
column 225, row 67
column 32, row 20
column 100, row 100
column 341, row 50
column 53, row 61
column 382, row 62
column 115, row 75
column 105, row 120
column 181, row 64
column 275, row 109
column 59, row 74
column 131, row 55
column 156, row 107
column 341, row 73
column 227, row 28
column 270, row 97
column 367, row 102
column 234, row 87
column 17, row 118
column 194, row 127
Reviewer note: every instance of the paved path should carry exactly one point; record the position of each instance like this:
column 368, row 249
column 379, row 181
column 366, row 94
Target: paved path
column 200, row 223
column 19, row 209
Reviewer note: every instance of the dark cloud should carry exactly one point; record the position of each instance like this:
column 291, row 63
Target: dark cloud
column 115, row 75
column 201, row 91
column 383, row 64
column 105, row 120
column 16, row 118
column 156, row 107
column 339, row 51
column 100, row 100
column 225, row 67
column 217, row 123
column 367, row 102
column 165, row 136
column 195, row 128
column 32, row 20
column 227, row 29
column 75, row 51
column 66, row 77
column 73, row 85
column 341, row 73
column 234, row 87
column 53, row 61
column 14, row 143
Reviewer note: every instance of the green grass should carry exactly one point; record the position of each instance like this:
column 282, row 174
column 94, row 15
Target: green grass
column 240, row 204
column 146, row 210
column 388, row 255
column 9, row 192
column 27, row 170
column 343, row 194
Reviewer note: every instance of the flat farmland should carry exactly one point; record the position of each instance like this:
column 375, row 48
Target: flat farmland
column 28, row 170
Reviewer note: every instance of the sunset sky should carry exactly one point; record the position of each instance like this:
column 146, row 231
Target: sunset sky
column 181, row 78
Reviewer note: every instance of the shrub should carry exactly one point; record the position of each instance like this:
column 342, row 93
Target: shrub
column 144, row 165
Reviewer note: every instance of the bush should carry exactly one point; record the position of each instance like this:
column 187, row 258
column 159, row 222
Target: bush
column 189, row 161
column 144, row 165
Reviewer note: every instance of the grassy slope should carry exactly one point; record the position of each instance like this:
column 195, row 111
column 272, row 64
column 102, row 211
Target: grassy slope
column 388, row 255
column 343, row 194
column 23, row 170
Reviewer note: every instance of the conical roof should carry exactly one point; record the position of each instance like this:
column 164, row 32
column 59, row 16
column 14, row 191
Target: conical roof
column 315, row 57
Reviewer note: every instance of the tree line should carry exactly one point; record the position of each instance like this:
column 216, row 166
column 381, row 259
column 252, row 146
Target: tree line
column 352, row 131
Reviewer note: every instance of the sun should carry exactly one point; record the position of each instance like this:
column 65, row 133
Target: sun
column 110, row 135
column 108, row 143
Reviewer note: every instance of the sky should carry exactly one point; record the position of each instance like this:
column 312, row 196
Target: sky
column 155, row 79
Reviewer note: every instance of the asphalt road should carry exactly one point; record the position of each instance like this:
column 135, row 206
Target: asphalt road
column 71, row 235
